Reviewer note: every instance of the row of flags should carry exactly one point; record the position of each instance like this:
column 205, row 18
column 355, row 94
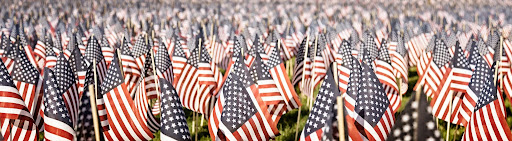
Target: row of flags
column 241, row 76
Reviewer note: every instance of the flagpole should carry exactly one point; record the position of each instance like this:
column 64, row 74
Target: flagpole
column 341, row 117
column 303, row 77
column 499, row 61
column 154, row 74
column 92, row 98
column 417, row 98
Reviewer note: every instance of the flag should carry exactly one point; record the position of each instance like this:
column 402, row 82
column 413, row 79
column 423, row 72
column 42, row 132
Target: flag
column 79, row 67
column 15, row 114
column 473, row 89
column 139, row 51
column 256, row 49
column 179, row 58
column 40, row 51
column 278, row 73
column 436, row 68
column 9, row 56
column 488, row 113
column 415, row 121
column 94, row 52
column 26, row 79
column 67, row 82
column 344, row 62
column 240, row 113
column 398, row 61
column 163, row 64
column 130, row 67
column 374, row 118
column 321, row 60
column 58, row 124
column 322, row 115
column 174, row 123
column 50, row 57
column 197, row 85
column 269, row 92
column 142, row 103
column 384, row 72
column 123, row 122
column 106, row 50
column 85, row 125
column 299, row 63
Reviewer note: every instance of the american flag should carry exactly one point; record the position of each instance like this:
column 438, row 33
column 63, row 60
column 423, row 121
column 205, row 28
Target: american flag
column 15, row 114
column 142, row 103
column 299, row 63
column 58, row 124
column 320, row 61
column 85, row 125
column 67, row 82
column 139, row 51
column 50, row 56
column 384, row 73
column 415, row 121
column 130, row 67
column 106, row 50
column 26, row 79
column 40, row 49
column 12, row 103
column 93, row 52
column 179, row 58
column 374, row 116
column 79, row 66
column 256, row 49
column 10, row 55
column 488, row 113
column 240, row 113
column 398, row 60
column 322, row 115
column 199, row 99
column 436, row 68
column 218, row 51
column 128, row 125
column 269, row 92
column 163, row 64
column 278, row 73
column 461, row 70
column 29, row 53
column 72, row 44
column 288, row 45
column 344, row 62
column 4, row 44
column 174, row 123
column 149, row 77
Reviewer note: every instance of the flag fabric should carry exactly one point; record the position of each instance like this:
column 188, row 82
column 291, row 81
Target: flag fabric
column 139, row 51
column 142, row 104
column 67, row 82
column 79, row 68
column 174, row 123
column 85, row 125
column 107, row 50
column 384, row 72
column 488, row 113
column 179, row 58
column 436, row 68
column 322, row 115
column 15, row 115
column 344, row 62
column 252, row 121
column 94, row 52
column 123, row 122
column 131, row 69
column 409, row 124
column 374, row 118
column 58, row 124
column 269, row 92
column 198, row 96
column 320, row 61
column 26, row 79
column 278, row 73
column 50, row 57
column 299, row 62
column 398, row 61
column 163, row 64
